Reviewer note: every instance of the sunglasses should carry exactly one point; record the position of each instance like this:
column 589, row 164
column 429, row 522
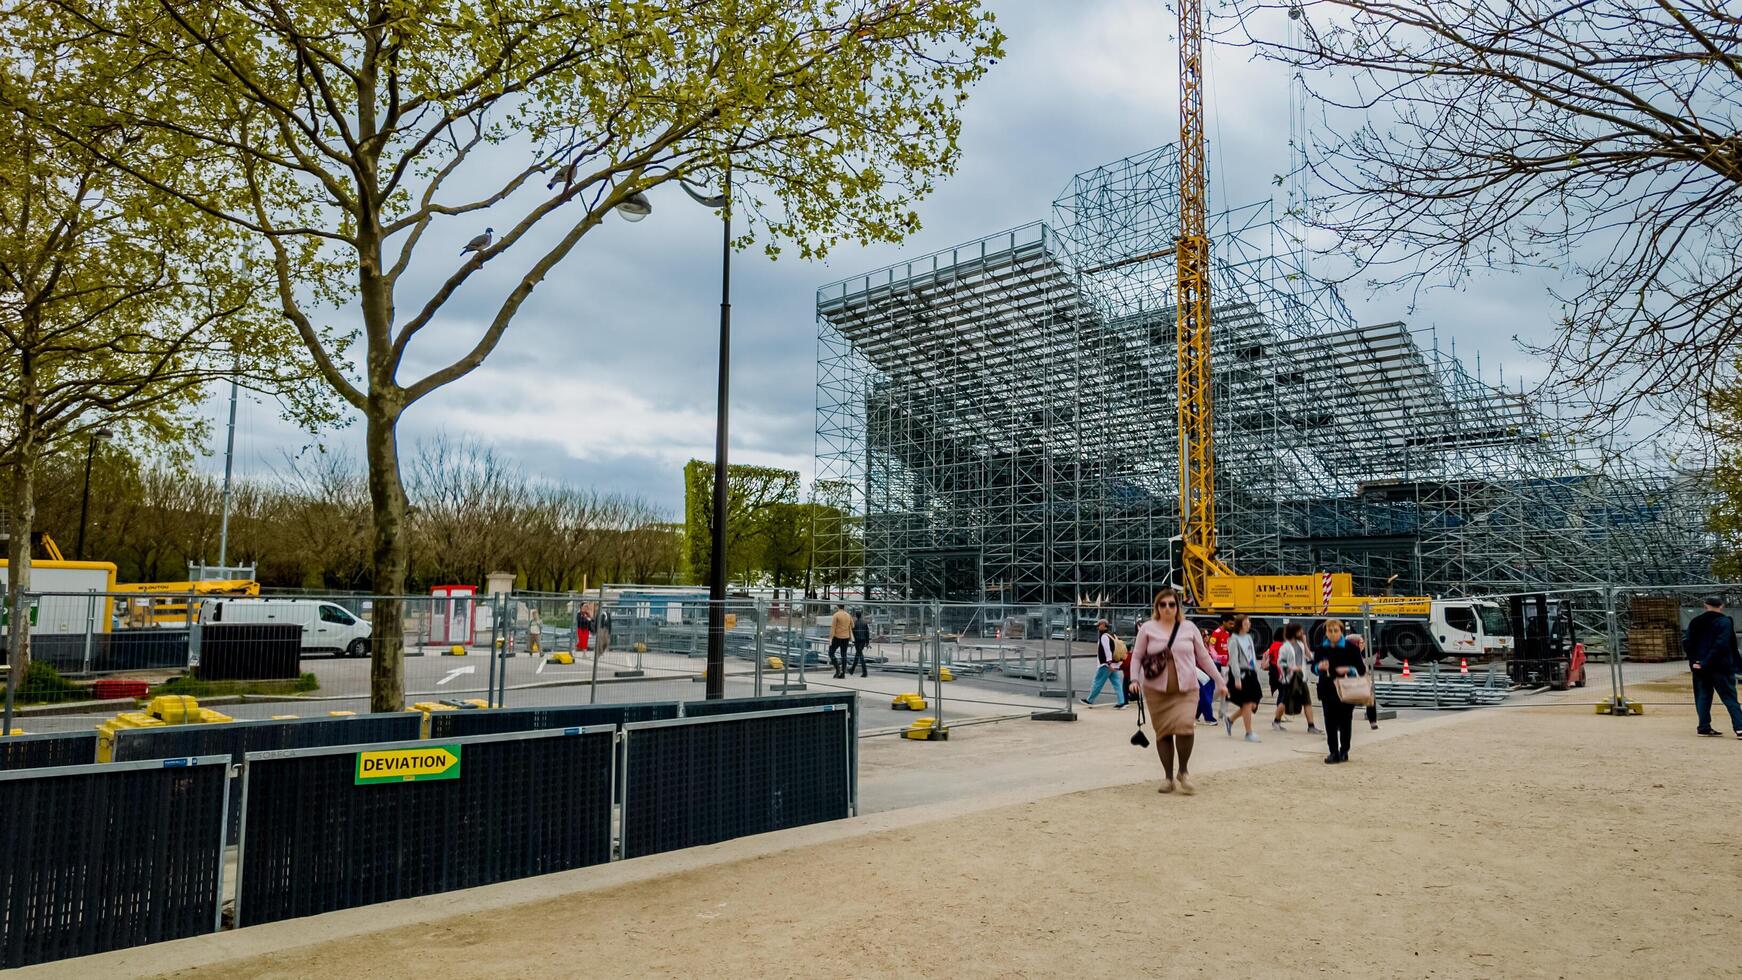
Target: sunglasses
column 1167, row 605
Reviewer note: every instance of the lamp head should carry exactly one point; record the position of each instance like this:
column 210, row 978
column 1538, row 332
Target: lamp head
column 715, row 201
column 636, row 207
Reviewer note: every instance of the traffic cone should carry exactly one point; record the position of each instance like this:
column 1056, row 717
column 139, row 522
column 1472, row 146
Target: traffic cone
column 1464, row 665
column 1406, row 674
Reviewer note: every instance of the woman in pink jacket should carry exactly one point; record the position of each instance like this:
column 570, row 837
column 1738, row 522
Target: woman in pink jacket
column 1169, row 653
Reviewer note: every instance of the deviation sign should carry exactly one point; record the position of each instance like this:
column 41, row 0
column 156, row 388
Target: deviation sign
column 408, row 765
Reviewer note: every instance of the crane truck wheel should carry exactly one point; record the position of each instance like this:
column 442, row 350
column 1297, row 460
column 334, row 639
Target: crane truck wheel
column 1408, row 641
column 1262, row 634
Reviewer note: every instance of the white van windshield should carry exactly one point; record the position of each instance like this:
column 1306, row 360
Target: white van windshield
column 333, row 614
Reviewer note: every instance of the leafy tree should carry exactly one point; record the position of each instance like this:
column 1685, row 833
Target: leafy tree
column 1598, row 138
column 118, row 303
column 755, row 495
column 350, row 130
column 787, row 543
column 1725, row 519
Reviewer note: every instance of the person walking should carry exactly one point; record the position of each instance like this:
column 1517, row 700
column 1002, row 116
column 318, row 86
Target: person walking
column 1110, row 656
column 840, row 635
column 861, row 640
column 1710, row 644
column 1218, row 644
column 1337, row 657
column 1170, row 652
column 1244, row 689
column 1295, row 697
column 583, row 629
column 601, row 628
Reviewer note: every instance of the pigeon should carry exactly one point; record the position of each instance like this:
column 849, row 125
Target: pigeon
column 565, row 177
column 480, row 243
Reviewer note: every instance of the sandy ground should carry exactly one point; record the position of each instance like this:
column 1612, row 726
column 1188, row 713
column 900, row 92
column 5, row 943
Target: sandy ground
column 1536, row 841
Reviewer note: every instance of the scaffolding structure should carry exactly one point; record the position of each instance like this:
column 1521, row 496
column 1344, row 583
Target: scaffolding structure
column 998, row 421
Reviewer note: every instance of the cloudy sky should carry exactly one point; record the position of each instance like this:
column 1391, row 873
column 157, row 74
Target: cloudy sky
column 606, row 378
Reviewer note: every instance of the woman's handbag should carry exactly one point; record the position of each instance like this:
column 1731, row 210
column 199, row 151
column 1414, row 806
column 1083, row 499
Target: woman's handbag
column 1355, row 690
column 1138, row 738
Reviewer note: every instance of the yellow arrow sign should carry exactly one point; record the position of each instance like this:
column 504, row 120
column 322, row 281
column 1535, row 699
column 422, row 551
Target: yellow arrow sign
column 408, row 765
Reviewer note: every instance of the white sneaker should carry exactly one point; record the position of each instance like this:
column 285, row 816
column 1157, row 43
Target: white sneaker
column 1252, row 737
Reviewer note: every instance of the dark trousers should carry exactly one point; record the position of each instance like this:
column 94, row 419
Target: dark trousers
column 1207, row 700
column 838, row 648
column 1339, row 723
column 858, row 663
column 1722, row 684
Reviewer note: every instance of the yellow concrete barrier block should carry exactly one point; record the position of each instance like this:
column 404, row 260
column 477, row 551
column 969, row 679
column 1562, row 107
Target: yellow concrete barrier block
column 174, row 709
column 775, row 663
column 344, row 714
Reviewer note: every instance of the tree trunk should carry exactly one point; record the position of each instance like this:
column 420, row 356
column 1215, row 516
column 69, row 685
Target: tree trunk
column 387, row 499
column 22, row 506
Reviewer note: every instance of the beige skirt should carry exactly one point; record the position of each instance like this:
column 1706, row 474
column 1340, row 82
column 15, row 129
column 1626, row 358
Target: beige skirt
column 1173, row 711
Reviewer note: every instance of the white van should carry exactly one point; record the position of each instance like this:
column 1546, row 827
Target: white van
column 327, row 627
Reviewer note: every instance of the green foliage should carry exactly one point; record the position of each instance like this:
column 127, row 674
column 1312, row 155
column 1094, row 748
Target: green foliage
column 327, row 133
column 755, row 496
column 185, row 684
column 1725, row 520
column 44, row 685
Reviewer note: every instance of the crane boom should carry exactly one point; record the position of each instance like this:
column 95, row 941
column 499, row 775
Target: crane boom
column 1197, row 446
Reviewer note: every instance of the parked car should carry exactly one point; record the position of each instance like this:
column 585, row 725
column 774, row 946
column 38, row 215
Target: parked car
column 326, row 626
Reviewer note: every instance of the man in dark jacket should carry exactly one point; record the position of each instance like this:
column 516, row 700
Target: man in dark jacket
column 1710, row 644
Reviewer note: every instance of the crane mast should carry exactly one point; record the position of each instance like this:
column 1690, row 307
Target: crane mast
column 1197, row 447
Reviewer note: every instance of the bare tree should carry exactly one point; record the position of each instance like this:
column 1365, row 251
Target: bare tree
column 1601, row 139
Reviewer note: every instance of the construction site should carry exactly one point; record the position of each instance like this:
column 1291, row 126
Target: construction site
column 1001, row 419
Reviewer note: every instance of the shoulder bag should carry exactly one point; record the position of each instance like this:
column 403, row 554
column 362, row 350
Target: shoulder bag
column 1356, row 689
column 1154, row 665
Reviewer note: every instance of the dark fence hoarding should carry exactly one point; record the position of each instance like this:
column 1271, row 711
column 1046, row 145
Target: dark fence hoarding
column 39, row 751
column 102, row 857
column 320, row 836
column 447, row 724
column 702, row 780
column 237, row 739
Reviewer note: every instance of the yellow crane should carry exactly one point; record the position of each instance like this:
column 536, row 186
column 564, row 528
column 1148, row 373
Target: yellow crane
column 1209, row 583
column 1197, row 441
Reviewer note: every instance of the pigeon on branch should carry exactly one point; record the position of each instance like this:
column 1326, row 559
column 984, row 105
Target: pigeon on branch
column 565, row 177
column 480, row 243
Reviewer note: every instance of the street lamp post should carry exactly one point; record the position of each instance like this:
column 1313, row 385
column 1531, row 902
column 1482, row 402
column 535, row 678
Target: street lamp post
column 101, row 435
column 716, row 668
column 635, row 209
